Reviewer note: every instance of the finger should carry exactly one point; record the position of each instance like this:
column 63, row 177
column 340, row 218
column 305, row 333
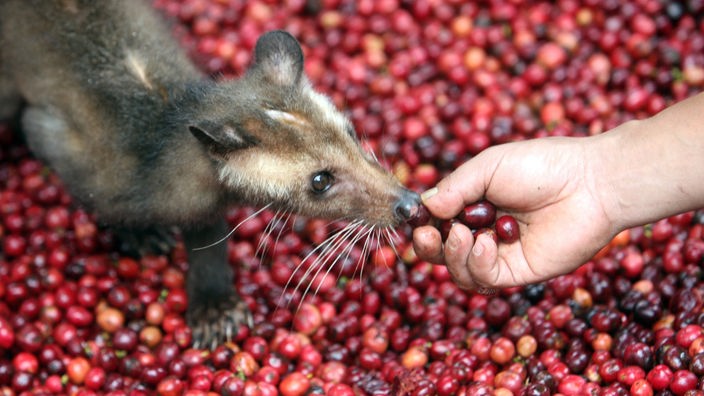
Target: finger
column 443, row 205
column 427, row 243
column 467, row 184
column 457, row 250
column 483, row 265
column 505, row 266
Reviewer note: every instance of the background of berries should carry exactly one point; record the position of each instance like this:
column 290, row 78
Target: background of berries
column 427, row 84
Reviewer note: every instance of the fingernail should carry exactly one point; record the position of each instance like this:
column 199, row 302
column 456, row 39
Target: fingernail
column 452, row 241
column 478, row 247
column 428, row 194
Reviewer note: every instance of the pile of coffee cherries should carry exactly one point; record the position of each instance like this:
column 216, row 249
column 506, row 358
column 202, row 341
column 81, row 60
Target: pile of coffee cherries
column 427, row 84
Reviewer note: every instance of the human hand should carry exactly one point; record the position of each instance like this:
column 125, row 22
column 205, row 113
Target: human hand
column 548, row 185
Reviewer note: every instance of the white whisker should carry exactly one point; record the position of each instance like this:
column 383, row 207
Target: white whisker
column 284, row 222
column 390, row 239
column 396, row 236
column 321, row 247
column 328, row 247
column 349, row 244
column 373, row 154
column 261, row 245
column 378, row 244
column 320, row 261
column 335, row 242
column 229, row 234
column 360, row 234
column 366, row 248
column 280, row 219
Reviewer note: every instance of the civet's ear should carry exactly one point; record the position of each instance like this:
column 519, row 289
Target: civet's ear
column 221, row 139
column 278, row 59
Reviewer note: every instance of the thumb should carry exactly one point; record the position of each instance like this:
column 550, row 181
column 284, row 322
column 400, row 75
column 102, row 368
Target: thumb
column 467, row 184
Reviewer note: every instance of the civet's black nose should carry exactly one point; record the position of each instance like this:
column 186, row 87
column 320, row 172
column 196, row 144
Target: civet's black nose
column 407, row 204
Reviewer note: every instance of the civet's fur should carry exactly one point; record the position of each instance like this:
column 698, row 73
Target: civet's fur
column 144, row 139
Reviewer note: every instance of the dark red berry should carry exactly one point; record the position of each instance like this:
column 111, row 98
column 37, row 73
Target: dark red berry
column 478, row 215
column 507, row 229
column 422, row 217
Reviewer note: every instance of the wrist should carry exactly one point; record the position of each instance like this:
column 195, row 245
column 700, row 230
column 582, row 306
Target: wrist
column 608, row 177
column 648, row 169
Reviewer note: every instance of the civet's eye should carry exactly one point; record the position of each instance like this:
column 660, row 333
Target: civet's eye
column 321, row 182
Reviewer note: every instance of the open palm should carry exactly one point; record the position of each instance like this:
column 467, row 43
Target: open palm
column 548, row 186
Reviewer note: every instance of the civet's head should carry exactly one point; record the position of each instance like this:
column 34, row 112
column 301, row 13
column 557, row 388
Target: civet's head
column 279, row 142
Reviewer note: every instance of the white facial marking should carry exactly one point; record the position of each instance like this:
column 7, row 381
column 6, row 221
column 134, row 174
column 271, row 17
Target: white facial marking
column 284, row 117
column 328, row 110
column 263, row 170
column 137, row 67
